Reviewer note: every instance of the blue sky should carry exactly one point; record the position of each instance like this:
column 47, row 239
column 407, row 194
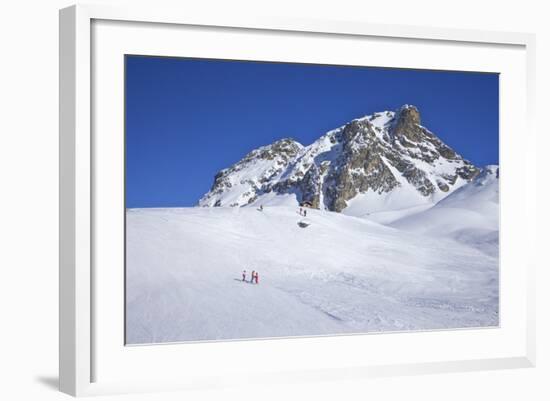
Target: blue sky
column 186, row 119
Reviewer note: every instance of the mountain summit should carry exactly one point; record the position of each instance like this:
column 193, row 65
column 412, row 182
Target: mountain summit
column 379, row 162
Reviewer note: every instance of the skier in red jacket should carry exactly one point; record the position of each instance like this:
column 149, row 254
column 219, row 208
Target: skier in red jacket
column 256, row 277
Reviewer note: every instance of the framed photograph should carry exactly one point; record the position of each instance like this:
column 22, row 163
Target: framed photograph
column 290, row 200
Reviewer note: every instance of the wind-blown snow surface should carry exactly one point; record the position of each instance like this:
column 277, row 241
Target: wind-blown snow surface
column 469, row 215
column 342, row 274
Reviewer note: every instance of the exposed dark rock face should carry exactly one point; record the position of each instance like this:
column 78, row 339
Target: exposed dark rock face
column 407, row 125
column 375, row 154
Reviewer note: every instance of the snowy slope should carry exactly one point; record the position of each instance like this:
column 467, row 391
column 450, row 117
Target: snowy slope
column 341, row 274
column 469, row 215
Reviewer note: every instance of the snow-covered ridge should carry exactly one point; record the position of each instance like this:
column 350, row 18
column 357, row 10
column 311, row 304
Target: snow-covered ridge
column 470, row 215
column 382, row 161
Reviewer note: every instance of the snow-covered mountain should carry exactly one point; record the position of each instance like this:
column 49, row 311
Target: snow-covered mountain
column 381, row 162
column 415, row 247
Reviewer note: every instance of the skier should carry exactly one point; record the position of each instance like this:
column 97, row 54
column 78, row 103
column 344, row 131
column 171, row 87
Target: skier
column 244, row 275
column 261, row 208
column 256, row 277
column 305, row 212
column 252, row 277
column 300, row 211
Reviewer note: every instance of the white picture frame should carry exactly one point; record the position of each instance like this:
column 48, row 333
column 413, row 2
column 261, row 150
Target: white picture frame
column 81, row 345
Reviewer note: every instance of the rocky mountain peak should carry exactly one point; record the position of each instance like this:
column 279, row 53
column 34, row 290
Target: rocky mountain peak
column 409, row 113
column 287, row 146
column 386, row 155
column 406, row 125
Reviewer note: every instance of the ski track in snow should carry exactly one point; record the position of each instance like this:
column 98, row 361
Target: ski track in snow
column 342, row 274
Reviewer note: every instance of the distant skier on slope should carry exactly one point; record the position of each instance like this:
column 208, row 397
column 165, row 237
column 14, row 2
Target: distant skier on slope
column 261, row 208
column 256, row 277
column 244, row 275
column 305, row 212
column 252, row 275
